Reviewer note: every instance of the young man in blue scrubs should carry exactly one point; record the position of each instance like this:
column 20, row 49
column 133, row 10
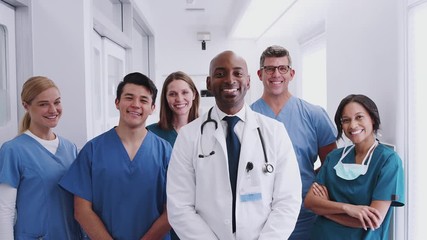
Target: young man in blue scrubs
column 119, row 178
column 311, row 131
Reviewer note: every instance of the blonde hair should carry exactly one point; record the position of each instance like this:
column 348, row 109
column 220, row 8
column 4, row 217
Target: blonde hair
column 30, row 90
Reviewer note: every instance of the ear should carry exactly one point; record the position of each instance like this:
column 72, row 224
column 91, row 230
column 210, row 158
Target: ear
column 292, row 73
column 248, row 84
column 117, row 103
column 194, row 94
column 208, row 83
column 259, row 73
column 25, row 105
column 153, row 107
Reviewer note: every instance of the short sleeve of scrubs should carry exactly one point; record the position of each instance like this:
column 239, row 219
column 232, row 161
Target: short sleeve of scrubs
column 78, row 179
column 9, row 165
column 326, row 131
column 390, row 185
column 327, row 166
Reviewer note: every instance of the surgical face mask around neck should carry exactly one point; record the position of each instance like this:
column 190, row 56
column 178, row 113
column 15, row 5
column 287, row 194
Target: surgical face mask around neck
column 351, row 171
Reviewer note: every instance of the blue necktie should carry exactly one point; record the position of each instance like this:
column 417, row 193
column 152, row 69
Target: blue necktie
column 233, row 151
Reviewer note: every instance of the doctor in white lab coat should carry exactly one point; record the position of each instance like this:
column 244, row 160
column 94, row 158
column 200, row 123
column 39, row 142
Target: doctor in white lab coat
column 199, row 192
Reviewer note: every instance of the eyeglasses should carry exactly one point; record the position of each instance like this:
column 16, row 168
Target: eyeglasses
column 283, row 69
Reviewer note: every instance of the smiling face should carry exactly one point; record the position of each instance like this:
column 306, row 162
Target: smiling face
column 135, row 105
column 179, row 97
column 357, row 124
column 276, row 83
column 228, row 81
column 45, row 110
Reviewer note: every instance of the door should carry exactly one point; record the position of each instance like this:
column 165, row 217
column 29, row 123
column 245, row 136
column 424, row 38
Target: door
column 8, row 95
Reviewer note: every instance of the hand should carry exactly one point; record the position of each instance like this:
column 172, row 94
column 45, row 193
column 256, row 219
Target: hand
column 320, row 191
column 368, row 216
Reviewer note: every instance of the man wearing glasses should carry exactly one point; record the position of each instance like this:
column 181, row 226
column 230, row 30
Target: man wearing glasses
column 309, row 127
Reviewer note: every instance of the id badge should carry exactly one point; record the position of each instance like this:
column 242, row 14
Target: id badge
column 251, row 191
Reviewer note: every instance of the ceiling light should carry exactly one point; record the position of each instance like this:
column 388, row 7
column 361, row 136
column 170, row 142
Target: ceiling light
column 259, row 16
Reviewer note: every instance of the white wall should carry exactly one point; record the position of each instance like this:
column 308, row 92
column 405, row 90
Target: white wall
column 365, row 49
column 59, row 53
column 180, row 50
column 362, row 53
column 364, row 56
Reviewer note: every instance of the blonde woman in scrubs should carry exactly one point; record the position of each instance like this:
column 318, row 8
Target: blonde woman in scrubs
column 31, row 165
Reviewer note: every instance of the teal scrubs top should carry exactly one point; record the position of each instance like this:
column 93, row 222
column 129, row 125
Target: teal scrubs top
column 384, row 181
column 168, row 135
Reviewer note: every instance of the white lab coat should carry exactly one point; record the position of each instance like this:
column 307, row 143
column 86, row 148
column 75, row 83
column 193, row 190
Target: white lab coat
column 199, row 192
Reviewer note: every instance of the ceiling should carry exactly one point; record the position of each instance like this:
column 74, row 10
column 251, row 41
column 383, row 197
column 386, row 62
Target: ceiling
column 208, row 15
column 201, row 14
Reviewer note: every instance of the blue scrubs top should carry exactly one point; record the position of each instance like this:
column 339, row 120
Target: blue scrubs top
column 384, row 180
column 127, row 195
column 309, row 128
column 44, row 210
column 168, row 135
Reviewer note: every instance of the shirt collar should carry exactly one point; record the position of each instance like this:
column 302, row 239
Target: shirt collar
column 241, row 114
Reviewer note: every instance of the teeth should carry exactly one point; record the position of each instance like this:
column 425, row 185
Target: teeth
column 357, row 132
column 51, row 117
column 135, row 113
column 230, row 90
column 180, row 105
column 276, row 82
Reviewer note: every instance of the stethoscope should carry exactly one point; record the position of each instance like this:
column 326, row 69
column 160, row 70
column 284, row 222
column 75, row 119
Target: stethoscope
column 268, row 167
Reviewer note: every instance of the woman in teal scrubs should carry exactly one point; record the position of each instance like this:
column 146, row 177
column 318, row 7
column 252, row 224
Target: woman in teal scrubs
column 31, row 165
column 179, row 105
column 357, row 185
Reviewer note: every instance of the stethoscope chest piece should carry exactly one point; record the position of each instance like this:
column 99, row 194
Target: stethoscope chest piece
column 268, row 168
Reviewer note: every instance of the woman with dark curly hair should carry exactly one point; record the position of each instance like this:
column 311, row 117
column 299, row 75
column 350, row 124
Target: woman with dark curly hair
column 358, row 184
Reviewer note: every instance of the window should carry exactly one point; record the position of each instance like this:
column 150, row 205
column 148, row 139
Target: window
column 314, row 71
column 416, row 127
column 8, row 98
column 112, row 10
column 120, row 44
column 95, row 91
column 115, row 73
column 108, row 69
column 314, row 74
column 140, row 50
column 4, row 86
